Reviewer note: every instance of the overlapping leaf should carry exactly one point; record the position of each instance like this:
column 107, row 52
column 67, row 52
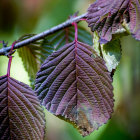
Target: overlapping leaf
column 21, row 116
column 33, row 55
column 107, row 17
column 111, row 52
column 74, row 84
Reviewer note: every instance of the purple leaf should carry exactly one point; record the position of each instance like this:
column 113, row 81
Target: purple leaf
column 21, row 116
column 107, row 17
column 134, row 8
column 74, row 84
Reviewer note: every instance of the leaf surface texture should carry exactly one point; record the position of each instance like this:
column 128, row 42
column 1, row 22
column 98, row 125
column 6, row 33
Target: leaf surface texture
column 21, row 116
column 107, row 17
column 74, row 84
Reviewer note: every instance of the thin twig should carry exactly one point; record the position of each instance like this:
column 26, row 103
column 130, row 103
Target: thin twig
column 39, row 36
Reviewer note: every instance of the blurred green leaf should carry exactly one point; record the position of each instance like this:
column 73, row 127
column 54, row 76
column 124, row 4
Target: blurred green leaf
column 32, row 56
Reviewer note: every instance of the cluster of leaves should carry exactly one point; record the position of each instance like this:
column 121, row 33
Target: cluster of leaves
column 75, row 81
column 111, row 16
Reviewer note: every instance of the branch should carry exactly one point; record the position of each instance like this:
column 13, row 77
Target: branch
column 39, row 36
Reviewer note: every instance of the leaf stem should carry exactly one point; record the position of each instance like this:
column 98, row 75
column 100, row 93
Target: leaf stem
column 9, row 66
column 76, row 28
column 10, row 59
column 76, row 31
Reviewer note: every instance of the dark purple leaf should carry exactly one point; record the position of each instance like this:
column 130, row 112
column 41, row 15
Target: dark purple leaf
column 21, row 116
column 107, row 17
column 74, row 84
column 134, row 9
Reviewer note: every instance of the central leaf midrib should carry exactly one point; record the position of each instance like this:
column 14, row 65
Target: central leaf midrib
column 76, row 78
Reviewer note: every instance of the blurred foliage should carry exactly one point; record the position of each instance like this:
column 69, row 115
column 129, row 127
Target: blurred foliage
column 21, row 14
column 34, row 16
column 8, row 15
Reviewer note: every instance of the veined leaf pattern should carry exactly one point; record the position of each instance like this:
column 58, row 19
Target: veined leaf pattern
column 33, row 55
column 107, row 17
column 21, row 116
column 74, row 84
column 134, row 9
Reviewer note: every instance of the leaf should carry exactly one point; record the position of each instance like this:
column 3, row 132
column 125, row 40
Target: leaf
column 110, row 52
column 67, row 35
column 33, row 55
column 134, row 9
column 106, row 17
column 30, row 56
column 74, row 84
column 46, row 49
column 21, row 116
column 96, row 43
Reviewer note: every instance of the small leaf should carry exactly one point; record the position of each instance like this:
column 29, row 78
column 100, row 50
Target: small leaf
column 21, row 116
column 110, row 52
column 96, row 43
column 30, row 56
column 33, row 55
column 75, row 85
